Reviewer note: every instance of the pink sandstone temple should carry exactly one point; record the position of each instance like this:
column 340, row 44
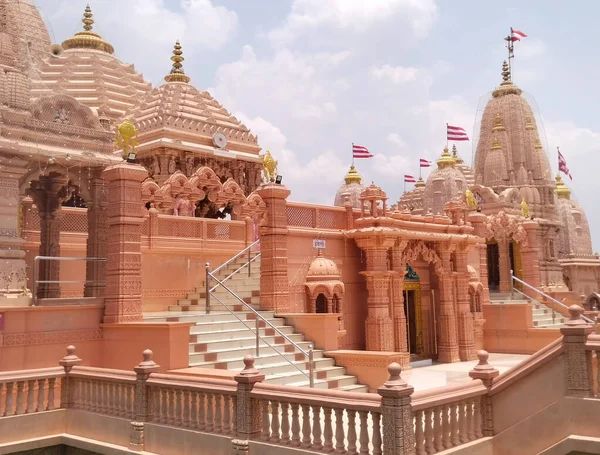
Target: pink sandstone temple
column 161, row 293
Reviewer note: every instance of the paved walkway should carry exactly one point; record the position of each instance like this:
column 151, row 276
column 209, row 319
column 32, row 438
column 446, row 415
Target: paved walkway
column 441, row 374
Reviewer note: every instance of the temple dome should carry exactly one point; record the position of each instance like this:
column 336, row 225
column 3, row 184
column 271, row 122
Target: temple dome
column 574, row 237
column 465, row 169
column 413, row 200
column 88, row 71
column 509, row 150
column 322, row 268
column 24, row 38
column 443, row 184
column 352, row 186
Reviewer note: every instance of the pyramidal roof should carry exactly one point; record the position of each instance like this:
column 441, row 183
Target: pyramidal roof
column 191, row 114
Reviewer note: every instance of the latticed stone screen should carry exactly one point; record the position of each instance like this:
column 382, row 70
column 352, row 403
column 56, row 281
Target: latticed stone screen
column 316, row 217
column 300, row 216
column 331, row 220
column 74, row 220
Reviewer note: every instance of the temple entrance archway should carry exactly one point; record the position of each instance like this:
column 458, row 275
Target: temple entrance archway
column 412, row 311
column 493, row 264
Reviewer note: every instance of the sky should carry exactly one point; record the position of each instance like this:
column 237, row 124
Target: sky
column 311, row 77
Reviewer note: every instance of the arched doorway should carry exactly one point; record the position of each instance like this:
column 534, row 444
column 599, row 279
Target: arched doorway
column 321, row 304
column 412, row 311
column 493, row 264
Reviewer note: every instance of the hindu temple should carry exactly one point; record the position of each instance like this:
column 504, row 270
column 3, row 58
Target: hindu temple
column 161, row 292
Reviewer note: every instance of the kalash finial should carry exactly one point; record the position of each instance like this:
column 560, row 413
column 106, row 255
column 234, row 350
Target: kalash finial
column 177, row 74
column 457, row 158
column 88, row 19
column 505, row 73
column 506, row 86
column 446, row 160
column 88, row 39
column 352, row 176
column 562, row 190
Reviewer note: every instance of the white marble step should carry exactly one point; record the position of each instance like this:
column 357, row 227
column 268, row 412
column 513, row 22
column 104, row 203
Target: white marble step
column 245, row 340
column 232, row 331
column 265, row 359
column 240, row 352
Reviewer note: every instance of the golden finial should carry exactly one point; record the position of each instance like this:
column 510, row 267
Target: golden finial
column 524, row 209
column 562, row 190
column 352, row 176
column 470, row 198
column 528, row 124
column 88, row 39
column 505, row 72
column 177, row 74
column 496, row 144
column 446, row 160
column 538, row 144
column 126, row 138
column 457, row 159
column 420, row 183
column 498, row 123
column 506, row 86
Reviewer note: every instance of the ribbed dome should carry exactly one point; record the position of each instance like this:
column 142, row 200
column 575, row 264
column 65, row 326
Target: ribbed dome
column 443, row 184
column 88, row 71
column 574, row 237
column 323, row 269
column 352, row 186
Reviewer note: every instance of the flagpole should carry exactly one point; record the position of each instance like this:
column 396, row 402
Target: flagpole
column 353, row 154
column 420, row 169
column 510, row 47
column 446, row 134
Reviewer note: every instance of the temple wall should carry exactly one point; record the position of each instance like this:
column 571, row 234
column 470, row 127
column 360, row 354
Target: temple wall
column 582, row 279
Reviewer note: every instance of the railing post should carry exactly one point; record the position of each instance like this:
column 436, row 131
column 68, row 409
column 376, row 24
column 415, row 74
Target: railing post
column 512, row 286
column 396, row 410
column 143, row 401
column 575, row 333
column 257, row 325
column 207, row 282
column 311, row 366
column 248, row 413
column 484, row 371
column 249, row 261
column 67, row 392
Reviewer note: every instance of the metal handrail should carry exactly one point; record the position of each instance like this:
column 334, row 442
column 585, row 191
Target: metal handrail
column 309, row 355
column 543, row 294
column 59, row 258
column 236, row 271
column 258, row 339
column 226, row 263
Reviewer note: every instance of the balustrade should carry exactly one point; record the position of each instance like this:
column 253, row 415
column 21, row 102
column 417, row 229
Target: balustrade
column 315, row 216
column 30, row 392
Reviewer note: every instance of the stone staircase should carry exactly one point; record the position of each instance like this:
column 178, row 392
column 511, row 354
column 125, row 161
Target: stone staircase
column 542, row 314
column 220, row 340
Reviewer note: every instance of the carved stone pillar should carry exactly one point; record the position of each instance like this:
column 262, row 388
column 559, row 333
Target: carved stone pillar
column 530, row 256
column 478, row 221
column 578, row 362
column 123, row 302
column 428, row 329
column 447, row 345
column 504, row 262
column 48, row 193
column 399, row 269
column 274, row 284
column 466, row 340
column 13, row 275
column 96, row 242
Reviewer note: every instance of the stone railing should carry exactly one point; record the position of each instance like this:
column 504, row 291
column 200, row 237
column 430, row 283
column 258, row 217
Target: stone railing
column 316, row 216
column 29, row 392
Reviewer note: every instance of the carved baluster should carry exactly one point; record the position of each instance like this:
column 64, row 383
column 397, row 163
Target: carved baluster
column 340, row 445
column 194, row 409
column 40, row 396
column 266, row 425
column 364, row 433
column 101, row 397
column 210, row 415
column 218, row 428
column 51, row 384
column 376, row 433
column 351, row 432
column 446, row 442
column 30, row 397
column 234, row 420
column 274, row 422
column 120, row 397
column 471, row 420
column 92, row 396
column 20, row 397
column 462, row 422
column 164, row 405
column 8, row 409
column 419, row 435
column 226, row 414
column 83, row 401
column 477, row 411
column 285, row 423
column 306, row 439
column 438, row 419
column 317, row 443
column 110, row 387
column 186, row 408
column 454, row 416
column 201, row 411
column 429, row 432
column 171, row 407
column 295, row 425
column 130, row 398
column 178, row 410
column 328, row 431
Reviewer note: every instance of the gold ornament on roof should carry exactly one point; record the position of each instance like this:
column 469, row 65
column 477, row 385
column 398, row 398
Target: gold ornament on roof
column 524, row 209
column 498, row 123
column 88, row 39
column 457, row 159
column 177, row 74
column 496, row 144
column 352, row 176
column 269, row 168
column 562, row 190
column 126, row 138
column 446, row 160
column 420, row 183
column 528, row 124
column 506, row 86
column 470, row 198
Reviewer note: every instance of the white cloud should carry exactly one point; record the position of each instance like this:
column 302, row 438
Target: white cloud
column 395, row 139
column 396, row 74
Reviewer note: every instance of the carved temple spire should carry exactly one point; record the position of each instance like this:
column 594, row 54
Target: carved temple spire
column 88, row 39
column 177, row 74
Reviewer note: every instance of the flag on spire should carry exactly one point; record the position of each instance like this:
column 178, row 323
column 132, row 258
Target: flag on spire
column 456, row 133
column 358, row 151
column 516, row 35
column 424, row 163
column 409, row 179
column 562, row 164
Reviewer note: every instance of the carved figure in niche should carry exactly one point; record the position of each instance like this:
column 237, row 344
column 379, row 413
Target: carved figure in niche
column 155, row 167
column 470, row 198
column 126, row 138
column 62, row 116
column 269, row 168
column 524, row 209
column 189, row 166
column 172, row 166
column 182, row 207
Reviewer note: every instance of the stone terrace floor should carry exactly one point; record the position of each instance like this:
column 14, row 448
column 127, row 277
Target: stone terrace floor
column 441, row 374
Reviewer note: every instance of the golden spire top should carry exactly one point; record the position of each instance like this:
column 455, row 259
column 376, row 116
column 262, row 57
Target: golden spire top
column 177, row 74
column 457, row 158
column 562, row 190
column 88, row 39
column 446, row 160
column 506, row 86
column 496, row 144
column 498, row 123
column 505, row 73
column 528, row 124
column 420, row 183
column 352, row 176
